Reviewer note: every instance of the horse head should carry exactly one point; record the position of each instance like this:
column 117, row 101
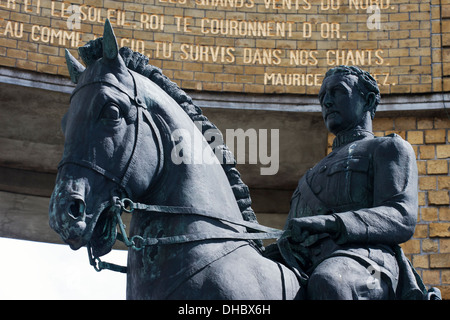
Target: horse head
column 106, row 128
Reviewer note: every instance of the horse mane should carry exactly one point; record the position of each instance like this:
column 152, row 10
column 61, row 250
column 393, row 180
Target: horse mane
column 138, row 62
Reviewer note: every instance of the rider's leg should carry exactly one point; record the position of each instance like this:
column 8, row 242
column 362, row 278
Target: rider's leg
column 343, row 278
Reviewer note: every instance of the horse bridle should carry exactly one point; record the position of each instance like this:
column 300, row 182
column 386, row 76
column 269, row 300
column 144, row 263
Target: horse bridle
column 118, row 205
column 142, row 111
column 138, row 243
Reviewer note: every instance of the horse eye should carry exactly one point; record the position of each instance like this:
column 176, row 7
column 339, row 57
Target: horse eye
column 110, row 113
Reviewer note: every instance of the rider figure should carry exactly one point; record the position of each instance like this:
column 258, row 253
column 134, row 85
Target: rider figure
column 350, row 212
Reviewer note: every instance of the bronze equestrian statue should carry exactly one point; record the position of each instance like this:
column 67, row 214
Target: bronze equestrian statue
column 193, row 234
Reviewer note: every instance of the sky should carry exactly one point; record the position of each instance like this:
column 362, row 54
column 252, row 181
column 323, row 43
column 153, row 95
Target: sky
column 41, row 271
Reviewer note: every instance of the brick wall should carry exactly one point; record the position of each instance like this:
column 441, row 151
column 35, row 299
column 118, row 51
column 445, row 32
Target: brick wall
column 291, row 55
column 429, row 249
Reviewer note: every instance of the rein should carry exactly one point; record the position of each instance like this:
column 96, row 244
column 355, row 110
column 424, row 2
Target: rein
column 137, row 243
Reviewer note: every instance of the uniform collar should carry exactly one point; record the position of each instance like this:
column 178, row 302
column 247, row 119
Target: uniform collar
column 346, row 137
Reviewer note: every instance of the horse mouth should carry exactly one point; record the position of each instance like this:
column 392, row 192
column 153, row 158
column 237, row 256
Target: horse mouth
column 105, row 233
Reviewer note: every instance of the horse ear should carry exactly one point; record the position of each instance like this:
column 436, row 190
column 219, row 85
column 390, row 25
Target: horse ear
column 75, row 68
column 110, row 46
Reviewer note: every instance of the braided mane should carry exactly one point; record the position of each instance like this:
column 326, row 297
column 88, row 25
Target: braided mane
column 137, row 62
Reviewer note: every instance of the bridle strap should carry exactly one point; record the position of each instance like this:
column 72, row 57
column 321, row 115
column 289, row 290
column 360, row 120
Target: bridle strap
column 138, row 243
column 142, row 112
column 129, row 206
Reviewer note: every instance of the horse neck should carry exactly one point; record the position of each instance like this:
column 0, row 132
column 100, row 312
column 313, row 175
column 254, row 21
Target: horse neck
column 194, row 184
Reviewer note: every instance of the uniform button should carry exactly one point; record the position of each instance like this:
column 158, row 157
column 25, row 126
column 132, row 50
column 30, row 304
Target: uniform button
column 317, row 189
column 323, row 169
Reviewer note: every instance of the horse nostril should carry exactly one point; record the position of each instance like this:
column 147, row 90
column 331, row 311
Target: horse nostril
column 76, row 209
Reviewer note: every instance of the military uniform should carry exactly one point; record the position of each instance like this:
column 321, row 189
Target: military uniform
column 369, row 184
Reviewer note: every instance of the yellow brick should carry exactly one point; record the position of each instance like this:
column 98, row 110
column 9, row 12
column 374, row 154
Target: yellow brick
column 409, row 7
column 211, row 86
column 10, row 43
column 444, row 246
column 10, row 62
column 427, row 152
column 437, row 167
column 442, row 123
column 425, row 123
column 202, row 76
column 440, row 260
column 421, row 261
column 443, row 151
column 422, row 198
column 412, row 246
column 438, row 197
column 184, row 75
column 414, row 137
column 27, row 46
column 445, row 276
column 191, row 85
column 57, row 60
column 435, row 136
column 431, row 277
column 399, row 17
column 445, row 9
column 44, row 49
column 427, row 183
column 383, row 124
column 399, row 52
column 46, row 68
column 37, row 57
column 421, row 231
column 20, row 17
column 444, row 183
column 18, row 54
column 429, row 245
column 429, row 214
column 233, row 87
column 446, row 84
column 254, row 88
column 444, row 213
column 422, row 167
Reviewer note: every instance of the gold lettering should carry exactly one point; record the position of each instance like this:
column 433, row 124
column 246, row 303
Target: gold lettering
column 26, row 4
column 183, row 21
column 165, row 48
column 292, row 79
column 51, row 35
column 380, row 59
column 201, row 53
column 287, row 4
column 363, row 57
column 226, row 3
column 307, row 30
column 330, row 4
column 13, row 29
column 52, row 11
column 63, row 10
column 153, row 22
column 303, row 57
column 246, row 28
column 330, row 30
column 262, row 56
column 364, row 4
column 34, row 29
